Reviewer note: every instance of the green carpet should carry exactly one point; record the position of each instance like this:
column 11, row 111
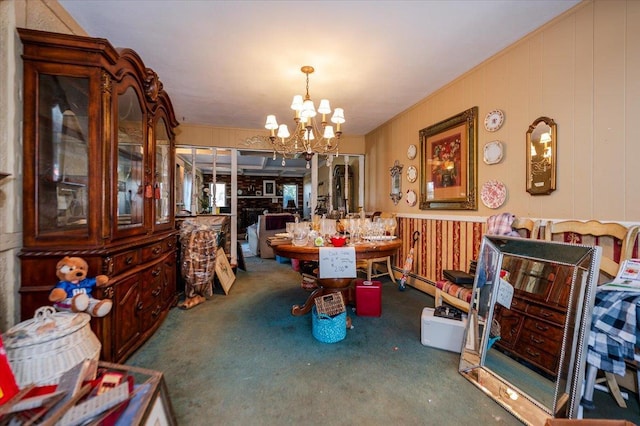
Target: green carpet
column 243, row 359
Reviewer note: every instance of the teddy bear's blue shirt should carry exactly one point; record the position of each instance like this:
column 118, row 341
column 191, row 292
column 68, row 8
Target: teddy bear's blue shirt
column 84, row 286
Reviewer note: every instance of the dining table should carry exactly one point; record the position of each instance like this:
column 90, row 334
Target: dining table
column 367, row 249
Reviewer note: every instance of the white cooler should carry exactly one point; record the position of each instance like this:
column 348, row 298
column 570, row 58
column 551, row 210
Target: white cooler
column 442, row 333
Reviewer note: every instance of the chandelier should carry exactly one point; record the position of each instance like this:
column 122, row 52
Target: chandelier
column 308, row 137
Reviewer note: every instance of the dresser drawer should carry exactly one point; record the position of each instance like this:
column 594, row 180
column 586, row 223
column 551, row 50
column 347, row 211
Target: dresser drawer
column 125, row 260
column 541, row 341
column 540, row 327
column 540, row 357
column 547, row 314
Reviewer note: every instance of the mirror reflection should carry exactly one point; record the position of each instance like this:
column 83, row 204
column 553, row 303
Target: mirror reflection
column 528, row 323
column 541, row 156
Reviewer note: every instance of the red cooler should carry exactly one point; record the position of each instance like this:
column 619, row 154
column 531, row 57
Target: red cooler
column 368, row 298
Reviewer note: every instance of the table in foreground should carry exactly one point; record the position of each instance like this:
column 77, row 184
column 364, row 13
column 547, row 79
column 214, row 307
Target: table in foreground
column 366, row 250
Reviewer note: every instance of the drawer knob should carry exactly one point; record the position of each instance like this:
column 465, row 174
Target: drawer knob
column 140, row 306
column 542, row 327
column 157, row 250
column 156, row 272
column 129, row 260
column 533, row 354
column 157, row 291
column 536, row 340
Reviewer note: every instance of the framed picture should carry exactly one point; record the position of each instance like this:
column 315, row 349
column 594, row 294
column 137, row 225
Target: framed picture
column 448, row 160
column 269, row 188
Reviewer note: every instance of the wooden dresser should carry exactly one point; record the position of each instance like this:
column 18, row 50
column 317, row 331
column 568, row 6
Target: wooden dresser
column 99, row 181
column 532, row 329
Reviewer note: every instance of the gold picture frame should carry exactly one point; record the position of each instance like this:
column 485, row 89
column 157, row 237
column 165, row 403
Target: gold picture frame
column 448, row 163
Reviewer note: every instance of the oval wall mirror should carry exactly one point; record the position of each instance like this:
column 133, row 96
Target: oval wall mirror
column 541, row 156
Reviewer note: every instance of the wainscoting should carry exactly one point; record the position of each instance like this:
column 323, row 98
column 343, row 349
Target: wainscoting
column 442, row 244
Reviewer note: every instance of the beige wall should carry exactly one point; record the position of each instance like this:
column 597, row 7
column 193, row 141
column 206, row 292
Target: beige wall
column 36, row 14
column 581, row 70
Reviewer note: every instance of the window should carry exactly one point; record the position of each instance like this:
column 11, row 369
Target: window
column 289, row 192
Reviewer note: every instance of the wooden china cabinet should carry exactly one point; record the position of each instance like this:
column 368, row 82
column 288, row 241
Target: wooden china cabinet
column 98, row 181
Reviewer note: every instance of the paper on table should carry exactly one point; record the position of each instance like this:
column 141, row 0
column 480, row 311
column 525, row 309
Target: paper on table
column 628, row 278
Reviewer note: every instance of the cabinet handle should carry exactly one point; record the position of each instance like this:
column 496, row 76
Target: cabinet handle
column 129, row 260
column 156, row 312
column 157, row 250
column 541, row 328
column 140, row 306
column 545, row 314
column 538, row 341
column 156, row 272
column 157, row 291
column 533, row 354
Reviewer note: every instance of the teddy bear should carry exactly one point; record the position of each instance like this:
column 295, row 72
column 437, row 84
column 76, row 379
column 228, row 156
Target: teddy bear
column 73, row 291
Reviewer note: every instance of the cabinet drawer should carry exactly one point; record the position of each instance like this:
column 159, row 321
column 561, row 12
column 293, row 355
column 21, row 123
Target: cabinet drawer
column 169, row 244
column 125, row 260
column 547, row 314
column 149, row 317
column 541, row 341
column 152, row 285
column 152, row 252
column 540, row 327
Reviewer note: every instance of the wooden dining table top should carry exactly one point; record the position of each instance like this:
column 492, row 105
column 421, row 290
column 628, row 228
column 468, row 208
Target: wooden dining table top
column 364, row 250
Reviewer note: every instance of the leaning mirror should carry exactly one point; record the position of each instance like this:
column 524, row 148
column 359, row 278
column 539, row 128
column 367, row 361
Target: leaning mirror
column 525, row 341
column 541, row 156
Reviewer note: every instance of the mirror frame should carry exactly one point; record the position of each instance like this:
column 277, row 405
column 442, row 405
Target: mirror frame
column 396, row 182
column 580, row 300
column 548, row 185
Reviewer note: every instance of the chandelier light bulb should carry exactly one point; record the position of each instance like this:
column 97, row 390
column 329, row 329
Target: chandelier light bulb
column 328, row 132
column 296, row 104
column 283, row 131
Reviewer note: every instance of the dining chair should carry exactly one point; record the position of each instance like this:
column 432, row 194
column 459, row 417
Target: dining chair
column 609, row 236
column 379, row 266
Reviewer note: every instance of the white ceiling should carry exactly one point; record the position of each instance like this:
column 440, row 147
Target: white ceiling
column 230, row 63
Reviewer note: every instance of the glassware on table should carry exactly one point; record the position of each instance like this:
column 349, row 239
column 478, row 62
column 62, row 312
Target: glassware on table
column 301, row 234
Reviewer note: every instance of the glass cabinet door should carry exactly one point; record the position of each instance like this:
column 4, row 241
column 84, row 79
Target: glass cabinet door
column 130, row 158
column 162, row 188
column 63, row 154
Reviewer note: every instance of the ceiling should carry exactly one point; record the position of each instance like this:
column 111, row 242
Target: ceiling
column 230, row 63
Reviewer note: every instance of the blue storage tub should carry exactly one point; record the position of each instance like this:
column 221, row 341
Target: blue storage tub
column 328, row 329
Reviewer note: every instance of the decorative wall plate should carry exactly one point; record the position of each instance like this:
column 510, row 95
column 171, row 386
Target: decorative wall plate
column 493, row 194
column 493, row 121
column 412, row 174
column 493, row 152
column 412, row 151
column 412, row 198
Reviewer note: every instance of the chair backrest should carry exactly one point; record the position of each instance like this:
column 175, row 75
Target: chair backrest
column 607, row 235
column 527, row 228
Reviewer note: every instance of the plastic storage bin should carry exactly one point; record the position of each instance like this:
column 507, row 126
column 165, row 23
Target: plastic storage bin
column 441, row 333
column 368, row 298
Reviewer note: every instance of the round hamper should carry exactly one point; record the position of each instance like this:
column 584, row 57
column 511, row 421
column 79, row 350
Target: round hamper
column 41, row 349
column 328, row 329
